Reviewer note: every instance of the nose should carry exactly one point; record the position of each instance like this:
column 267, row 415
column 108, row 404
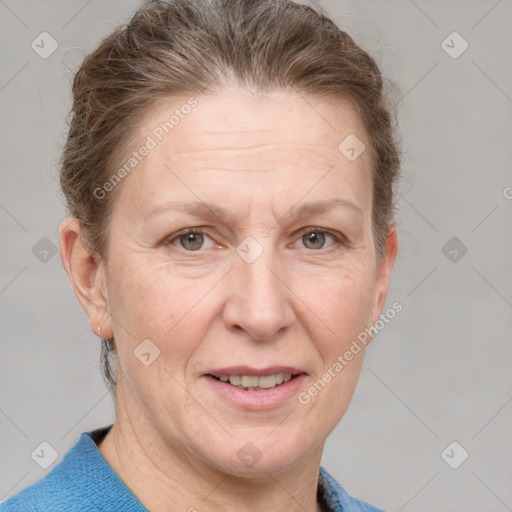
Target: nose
column 258, row 300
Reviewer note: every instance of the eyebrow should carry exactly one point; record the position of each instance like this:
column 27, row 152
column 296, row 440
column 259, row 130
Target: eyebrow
column 205, row 210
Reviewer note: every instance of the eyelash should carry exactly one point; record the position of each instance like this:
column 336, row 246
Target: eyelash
column 338, row 239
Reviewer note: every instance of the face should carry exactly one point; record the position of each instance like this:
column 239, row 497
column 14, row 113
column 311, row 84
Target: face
column 241, row 249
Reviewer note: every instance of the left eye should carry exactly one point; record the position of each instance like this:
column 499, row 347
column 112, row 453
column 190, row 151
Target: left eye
column 315, row 238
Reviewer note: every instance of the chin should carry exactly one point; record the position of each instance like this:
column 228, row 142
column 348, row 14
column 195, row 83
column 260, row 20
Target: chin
column 258, row 455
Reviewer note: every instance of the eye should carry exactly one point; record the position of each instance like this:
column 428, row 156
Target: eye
column 315, row 238
column 194, row 239
column 191, row 240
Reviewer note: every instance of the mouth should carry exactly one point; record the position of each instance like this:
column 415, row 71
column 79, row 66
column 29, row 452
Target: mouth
column 255, row 382
column 256, row 379
column 256, row 389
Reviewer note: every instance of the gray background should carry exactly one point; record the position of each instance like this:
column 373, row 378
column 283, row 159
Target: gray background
column 439, row 372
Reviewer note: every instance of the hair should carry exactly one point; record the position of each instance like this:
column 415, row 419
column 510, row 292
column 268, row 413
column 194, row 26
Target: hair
column 199, row 46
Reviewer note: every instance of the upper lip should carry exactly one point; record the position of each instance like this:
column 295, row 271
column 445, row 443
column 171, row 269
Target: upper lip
column 248, row 370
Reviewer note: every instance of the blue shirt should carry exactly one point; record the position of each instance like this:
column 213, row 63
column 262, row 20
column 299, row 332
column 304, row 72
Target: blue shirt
column 84, row 481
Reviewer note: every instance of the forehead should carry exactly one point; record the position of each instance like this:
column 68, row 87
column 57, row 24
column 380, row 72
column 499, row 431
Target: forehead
column 240, row 119
column 236, row 139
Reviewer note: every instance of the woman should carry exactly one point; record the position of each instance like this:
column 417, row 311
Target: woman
column 229, row 173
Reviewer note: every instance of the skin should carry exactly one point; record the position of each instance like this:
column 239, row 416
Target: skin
column 175, row 440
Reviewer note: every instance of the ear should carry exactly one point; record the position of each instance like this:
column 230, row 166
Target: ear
column 87, row 276
column 384, row 269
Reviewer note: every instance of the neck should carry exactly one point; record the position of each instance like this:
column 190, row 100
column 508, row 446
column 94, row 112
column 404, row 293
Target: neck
column 167, row 477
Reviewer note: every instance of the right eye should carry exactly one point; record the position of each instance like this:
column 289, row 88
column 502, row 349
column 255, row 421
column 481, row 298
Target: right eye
column 191, row 239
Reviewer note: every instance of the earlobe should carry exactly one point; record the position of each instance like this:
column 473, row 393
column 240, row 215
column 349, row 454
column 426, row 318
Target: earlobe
column 384, row 269
column 87, row 276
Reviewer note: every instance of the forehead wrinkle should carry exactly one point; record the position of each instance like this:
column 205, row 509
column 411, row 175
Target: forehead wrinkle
column 266, row 157
column 262, row 147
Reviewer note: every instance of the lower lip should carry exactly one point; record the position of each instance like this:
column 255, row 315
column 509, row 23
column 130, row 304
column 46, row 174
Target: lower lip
column 257, row 400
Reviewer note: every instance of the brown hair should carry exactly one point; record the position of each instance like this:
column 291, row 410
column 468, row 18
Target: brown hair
column 195, row 46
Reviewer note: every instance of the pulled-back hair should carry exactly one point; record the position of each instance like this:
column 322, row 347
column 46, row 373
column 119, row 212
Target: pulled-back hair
column 189, row 47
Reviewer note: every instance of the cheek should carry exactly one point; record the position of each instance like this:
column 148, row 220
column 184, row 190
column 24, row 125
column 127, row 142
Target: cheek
column 343, row 303
column 348, row 309
column 344, row 306
column 152, row 302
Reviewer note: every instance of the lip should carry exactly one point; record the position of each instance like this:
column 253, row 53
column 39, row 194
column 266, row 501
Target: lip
column 247, row 370
column 256, row 400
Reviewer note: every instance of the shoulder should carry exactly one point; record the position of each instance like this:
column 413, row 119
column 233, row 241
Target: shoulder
column 338, row 499
column 79, row 482
column 52, row 492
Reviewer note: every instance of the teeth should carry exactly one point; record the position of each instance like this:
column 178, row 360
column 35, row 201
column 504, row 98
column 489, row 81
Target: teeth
column 267, row 381
column 236, row 380
column 249, row 381
column 253, row 382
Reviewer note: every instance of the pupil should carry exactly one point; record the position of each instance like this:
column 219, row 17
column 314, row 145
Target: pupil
column 194, row 239
column 315, row 238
